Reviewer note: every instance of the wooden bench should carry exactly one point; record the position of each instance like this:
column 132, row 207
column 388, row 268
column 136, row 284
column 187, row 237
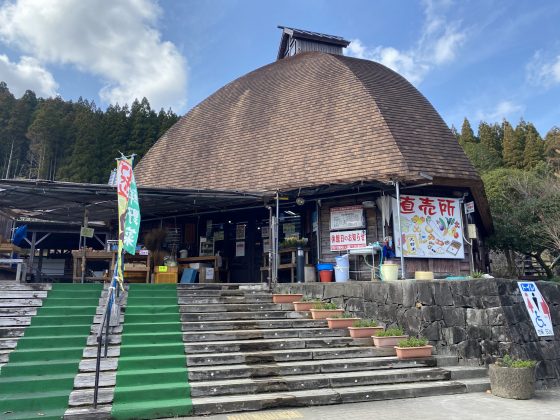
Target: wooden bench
column 21, row 266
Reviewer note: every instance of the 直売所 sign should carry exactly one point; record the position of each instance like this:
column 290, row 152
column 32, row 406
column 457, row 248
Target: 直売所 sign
column 344, row 240
column 349, row 217
column 430, row 227
column 537, row 307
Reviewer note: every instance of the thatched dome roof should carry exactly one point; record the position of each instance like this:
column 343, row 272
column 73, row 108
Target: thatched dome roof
column 307, row 120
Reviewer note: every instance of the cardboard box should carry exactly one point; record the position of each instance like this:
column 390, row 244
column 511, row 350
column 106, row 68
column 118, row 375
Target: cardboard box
column 206, row 275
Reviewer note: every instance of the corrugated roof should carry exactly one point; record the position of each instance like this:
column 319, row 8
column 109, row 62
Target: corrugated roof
column 311, row 119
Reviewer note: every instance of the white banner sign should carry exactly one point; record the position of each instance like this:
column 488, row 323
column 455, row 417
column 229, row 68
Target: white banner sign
column 342, row 241
column 349, row 217
column 430, row 227
column 537, row 307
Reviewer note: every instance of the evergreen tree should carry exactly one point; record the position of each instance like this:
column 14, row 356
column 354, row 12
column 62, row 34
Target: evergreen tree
column 7, row 101
column 491, row 136
column 534, row 148
column 467, row 134
column 552, row 149
column 20, row 119
column 513, row 147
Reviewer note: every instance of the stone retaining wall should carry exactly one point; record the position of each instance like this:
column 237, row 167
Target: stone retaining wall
column 478, row 320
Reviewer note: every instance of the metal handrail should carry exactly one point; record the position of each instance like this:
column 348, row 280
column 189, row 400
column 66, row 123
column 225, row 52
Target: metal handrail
column 105, row 323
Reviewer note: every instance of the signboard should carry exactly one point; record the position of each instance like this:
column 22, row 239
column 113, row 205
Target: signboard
column 349, row 217
column 349, row 239
column 162, row 269
column 86, row 232
column 240, row 249
column 240, row 232
column 469, row 207
column 537, row 307
column 289, row 229
column 430, row 227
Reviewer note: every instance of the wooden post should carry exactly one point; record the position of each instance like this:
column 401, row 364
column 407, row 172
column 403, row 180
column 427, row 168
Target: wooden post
column 32, row 251
column 85, row 224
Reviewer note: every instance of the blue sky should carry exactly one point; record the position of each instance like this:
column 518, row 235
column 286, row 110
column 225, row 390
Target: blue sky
column 480, row 59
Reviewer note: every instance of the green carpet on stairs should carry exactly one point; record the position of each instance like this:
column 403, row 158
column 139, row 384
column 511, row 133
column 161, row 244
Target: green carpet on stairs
column 39, row 376
column 152, row 380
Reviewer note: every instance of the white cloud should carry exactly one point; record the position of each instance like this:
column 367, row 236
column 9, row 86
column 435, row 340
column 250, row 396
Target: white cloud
column 115, row 40
column 438, row 44
column 27, row 74
column 543, row 71
column 503, row 109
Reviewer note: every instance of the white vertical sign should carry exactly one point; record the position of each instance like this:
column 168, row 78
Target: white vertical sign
column 537, row 307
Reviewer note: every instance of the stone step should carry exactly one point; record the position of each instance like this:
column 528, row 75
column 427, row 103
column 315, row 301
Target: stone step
column 307, row 367
column 23, row 294
column 265, row 344
column 224, row 335
column 233, row 307
column 220, row 300
column 316, row 381
column 476, row 384
column 27, row 302
column 224, row 286
column 447, row 360
column 232, row 403
column 269, row 356
column 253, row 324
column 467, row 372
column 243, row 315
column 7, row 286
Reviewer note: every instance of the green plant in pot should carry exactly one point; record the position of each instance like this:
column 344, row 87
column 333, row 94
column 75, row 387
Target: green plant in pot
column 413, row 348
column 324, row 310
column 390, row 337
column 512, row 378
column 364, row 328
column 305, row 304
column 343, row 320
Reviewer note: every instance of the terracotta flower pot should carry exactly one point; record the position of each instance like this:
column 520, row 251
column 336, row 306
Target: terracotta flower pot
column 390, row 341
column 325, row 313
column 413, row 352
column 364, row 332
column 287, row 298
column 303, row 306
column 341, row 322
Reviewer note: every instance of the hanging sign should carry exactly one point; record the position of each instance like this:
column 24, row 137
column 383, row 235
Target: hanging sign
column 469, row 207
column 537, row 307
column 86, row 232
column 430, row 227
column 344, row 240
column 240, row 232
column 349, row 217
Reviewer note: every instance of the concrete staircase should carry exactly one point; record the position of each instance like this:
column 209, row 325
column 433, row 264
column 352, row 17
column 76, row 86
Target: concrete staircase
column 245, row 353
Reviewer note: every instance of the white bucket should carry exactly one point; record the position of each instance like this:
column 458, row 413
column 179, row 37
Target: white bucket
column 389, row 272
column 343, row 261
column 341, row 273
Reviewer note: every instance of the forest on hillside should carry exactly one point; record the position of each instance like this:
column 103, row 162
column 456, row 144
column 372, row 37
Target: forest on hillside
column 521, row 173
column 62, row 140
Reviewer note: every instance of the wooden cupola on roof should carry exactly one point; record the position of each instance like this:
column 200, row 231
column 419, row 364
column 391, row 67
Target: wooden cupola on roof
column 295, row 41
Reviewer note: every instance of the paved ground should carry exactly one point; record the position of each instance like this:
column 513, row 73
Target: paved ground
column 475, row 406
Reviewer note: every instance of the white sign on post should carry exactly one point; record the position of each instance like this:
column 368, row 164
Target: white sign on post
column 349, row 217
column 537, row 307
column 469, row 207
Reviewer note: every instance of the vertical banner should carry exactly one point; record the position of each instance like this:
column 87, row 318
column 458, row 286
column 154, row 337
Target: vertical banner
column 124, row 179
column 132, row 223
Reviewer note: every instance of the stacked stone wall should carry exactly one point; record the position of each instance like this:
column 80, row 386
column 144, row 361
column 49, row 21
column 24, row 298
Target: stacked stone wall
column 477, row 320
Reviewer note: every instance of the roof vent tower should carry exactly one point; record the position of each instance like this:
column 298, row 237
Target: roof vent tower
column 295, row 41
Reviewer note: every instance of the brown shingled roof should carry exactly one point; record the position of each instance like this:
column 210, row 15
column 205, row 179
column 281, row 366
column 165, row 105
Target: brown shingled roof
column 311, row 119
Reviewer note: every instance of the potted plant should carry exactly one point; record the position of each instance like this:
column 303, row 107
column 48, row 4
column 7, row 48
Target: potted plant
column 343, row 320
column 413, row 348
column 322, row 310
column 293, row 242
column 305, row 304
column 364, row 328
column 512, row 378
column 286, row 298
column 390, row 337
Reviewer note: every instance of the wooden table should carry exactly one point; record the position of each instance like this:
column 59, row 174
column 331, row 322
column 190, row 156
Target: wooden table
column 10, row 255
column 77, row 256
column 212, row 259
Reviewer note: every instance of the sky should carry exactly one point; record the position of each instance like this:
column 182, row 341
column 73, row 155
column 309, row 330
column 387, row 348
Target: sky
column 484, row 59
